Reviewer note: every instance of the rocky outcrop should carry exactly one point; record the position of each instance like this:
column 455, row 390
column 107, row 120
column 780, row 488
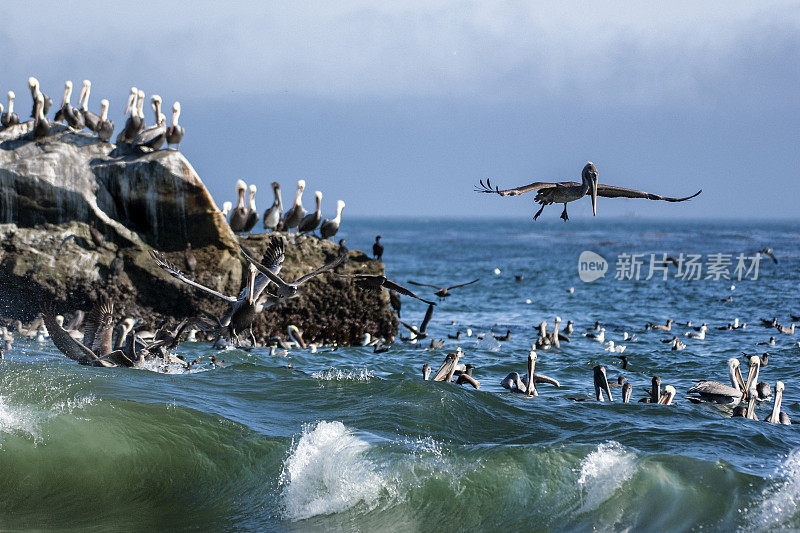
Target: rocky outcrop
column 53, row 192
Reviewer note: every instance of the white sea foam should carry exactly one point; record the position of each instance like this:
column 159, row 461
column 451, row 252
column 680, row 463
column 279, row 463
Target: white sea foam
column 328, row 472
column 603, row 472
column 780, row 500
column 335, row 374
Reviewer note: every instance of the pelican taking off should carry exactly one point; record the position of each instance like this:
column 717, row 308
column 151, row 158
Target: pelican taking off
column 569, row 191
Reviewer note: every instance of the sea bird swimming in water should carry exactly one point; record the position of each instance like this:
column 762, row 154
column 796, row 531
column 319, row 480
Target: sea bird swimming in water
column 716, row 392
column 569, row 191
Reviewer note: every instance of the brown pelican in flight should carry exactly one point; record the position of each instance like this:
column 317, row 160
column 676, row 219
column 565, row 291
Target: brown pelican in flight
column 377, row 282
column 175, row 130
column 239, row 214
column 312, row 220
column 33, row 85
column 286, row 290
column 9, row 118
column 243, row 308
column 569, row 191
column 72, row 116
column 295, row 214
column 330, row 227
column 443, row 292
column 272, row 216
column 154, row 136
column 96, row 348
column 252, row 213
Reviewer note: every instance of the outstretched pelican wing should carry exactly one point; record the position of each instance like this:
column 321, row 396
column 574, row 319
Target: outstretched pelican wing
column 610, row 191
column 391, row 285
column 463, row 284
column 535, row 186
column 173, row 271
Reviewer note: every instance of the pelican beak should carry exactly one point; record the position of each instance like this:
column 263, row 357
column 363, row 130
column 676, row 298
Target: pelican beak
column 531, row 390
column 83, row 93
column 593, row 190
column 251, row 284
column 754, row 363
column 601, row 384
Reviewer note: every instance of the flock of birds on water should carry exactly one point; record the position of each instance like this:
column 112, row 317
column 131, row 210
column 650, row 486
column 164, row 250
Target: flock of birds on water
column 97, row 339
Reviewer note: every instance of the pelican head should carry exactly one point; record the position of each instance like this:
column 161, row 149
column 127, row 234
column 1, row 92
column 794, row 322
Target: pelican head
column 655, row 389
column 11, row 95
column 627, row 390
column 176, row 107
column 226, row 208
column 155, row 100
column 128, row 325
column 301, row 184
column 60, row 320
column 668, row 396
column 737, row 381
column 531, row 389
column 295, row 334
column 601, row 384
column 426, row 371
column 250, row 283
column 241, row 185
column 276, row 186
column 253, row 189
column 340, row 205
column 589, row 175
column 33, row 82
column 752, row 376
column 318, row 196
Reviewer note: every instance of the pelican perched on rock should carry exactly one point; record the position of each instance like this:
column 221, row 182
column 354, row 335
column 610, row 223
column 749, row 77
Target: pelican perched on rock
column 153, row 137
column 716, row 392
column 33, row 85
column 91, row 120
column 295, row 214
column 330, row 227
column 175, row 130
column 312, row 220
column 569, row 191
column 72, row 116
column 41, row 126
column 226, row 208
column 243, row 308
column 104, row 128
column 252, row 213
column 134, row 124
column 9, row 118
column 238, row 218
column 272, row 216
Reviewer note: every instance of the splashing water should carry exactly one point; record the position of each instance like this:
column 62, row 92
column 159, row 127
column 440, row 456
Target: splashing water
column 327, row 472
column 779, row 501
column 603, row 472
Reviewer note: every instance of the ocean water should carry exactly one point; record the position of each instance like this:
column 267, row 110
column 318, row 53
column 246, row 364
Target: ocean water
column 352, row 440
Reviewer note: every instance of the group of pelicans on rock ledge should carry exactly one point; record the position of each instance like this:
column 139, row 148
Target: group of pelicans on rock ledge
column 135, row 133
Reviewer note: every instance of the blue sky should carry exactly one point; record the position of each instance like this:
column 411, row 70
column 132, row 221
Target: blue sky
column 400, row 108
